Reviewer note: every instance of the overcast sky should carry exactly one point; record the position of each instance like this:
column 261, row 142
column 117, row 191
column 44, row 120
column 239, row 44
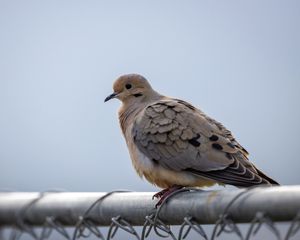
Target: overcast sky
column 239, row 61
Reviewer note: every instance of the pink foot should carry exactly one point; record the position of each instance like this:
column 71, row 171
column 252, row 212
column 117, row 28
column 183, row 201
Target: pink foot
column 159, row 194
column 163, row 194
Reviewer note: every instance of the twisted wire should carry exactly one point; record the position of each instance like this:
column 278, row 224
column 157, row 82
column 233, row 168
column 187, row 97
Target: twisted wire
column 85, row 227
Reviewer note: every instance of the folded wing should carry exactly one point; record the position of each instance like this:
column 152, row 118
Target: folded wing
column 180, row 137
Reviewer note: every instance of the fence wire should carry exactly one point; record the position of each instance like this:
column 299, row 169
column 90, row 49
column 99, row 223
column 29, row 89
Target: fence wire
column 154, row 224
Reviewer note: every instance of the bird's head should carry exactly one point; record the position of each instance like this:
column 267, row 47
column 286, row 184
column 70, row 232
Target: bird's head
column 132, row 88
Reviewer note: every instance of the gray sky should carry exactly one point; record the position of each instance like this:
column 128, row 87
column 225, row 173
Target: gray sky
column 239, row 61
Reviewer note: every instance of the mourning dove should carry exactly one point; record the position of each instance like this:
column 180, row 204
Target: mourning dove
column 173, row 144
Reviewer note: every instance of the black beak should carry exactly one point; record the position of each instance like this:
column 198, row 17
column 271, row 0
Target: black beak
column 111, row 96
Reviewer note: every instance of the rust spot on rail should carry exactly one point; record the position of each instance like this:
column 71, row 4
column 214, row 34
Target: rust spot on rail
column 212, row 196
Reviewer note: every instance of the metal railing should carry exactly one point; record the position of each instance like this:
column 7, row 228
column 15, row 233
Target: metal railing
column 40, row 214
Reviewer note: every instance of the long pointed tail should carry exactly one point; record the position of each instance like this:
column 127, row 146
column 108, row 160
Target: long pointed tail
column 270, row 180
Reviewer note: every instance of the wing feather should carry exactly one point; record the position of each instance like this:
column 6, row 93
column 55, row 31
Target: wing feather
column 180, row 137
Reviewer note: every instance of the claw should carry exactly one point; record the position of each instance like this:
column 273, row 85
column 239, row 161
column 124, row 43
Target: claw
column 163, row 194
column 159, row 194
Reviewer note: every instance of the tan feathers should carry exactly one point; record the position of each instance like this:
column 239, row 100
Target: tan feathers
column 173, row 143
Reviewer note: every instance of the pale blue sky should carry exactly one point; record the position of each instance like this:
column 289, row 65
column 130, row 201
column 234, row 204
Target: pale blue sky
column 239, row 61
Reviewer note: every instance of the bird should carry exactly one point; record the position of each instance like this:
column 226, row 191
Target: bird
column 173, row 144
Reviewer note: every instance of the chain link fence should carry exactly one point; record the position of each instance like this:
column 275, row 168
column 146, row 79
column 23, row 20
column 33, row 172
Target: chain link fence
column 186, row 214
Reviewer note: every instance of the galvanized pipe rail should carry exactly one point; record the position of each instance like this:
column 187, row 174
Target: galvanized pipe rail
column 279, row 203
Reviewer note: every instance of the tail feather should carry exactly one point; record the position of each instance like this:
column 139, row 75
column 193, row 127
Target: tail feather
column 262, row 175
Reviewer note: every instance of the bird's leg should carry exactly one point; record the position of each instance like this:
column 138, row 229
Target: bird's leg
column 159, row 194
column 163, row 194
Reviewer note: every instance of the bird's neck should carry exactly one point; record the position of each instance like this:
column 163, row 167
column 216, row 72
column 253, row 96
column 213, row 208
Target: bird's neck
column 129, row 111
column 127, row 114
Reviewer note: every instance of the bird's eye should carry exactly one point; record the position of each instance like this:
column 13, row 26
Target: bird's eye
column 128, row 86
